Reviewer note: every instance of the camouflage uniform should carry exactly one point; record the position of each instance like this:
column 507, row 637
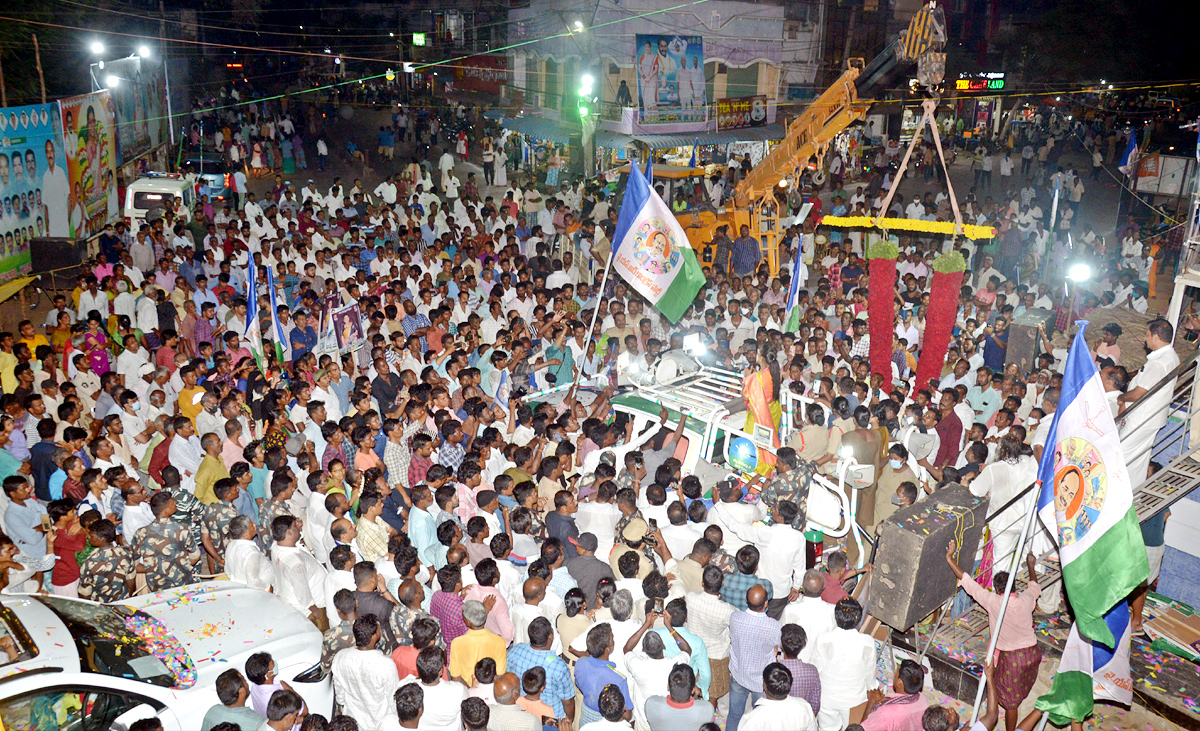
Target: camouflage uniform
column 337, row 638
column 216, row 524
column 189, row 512
column 166, row 549
column 402, row 621
column 792, row 485
column 271, row 509
column 624, row 521
column 723, row 561
column 103, row 575
column 627, row 479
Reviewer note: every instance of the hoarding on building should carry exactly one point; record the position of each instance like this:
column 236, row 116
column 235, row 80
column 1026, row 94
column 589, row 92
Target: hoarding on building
column 140, row 102
column 741, row 112
column 671, row 84
column 89, row 134
column 481, row 73
column 34, row 190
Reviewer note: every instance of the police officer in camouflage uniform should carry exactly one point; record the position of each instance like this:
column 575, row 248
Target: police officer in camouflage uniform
column 793, row 476
column 108, row 574
column 217, row 517
column 189, row 511
column 164, row 549
column 341, row 635
column 405, row 614
column 282, row 487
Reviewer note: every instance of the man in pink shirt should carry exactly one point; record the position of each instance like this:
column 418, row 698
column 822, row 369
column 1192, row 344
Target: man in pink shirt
column 1017, row 652
column 903, row 709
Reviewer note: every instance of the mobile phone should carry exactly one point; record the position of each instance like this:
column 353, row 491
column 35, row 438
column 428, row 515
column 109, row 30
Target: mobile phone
column 653, row 524
column 658, row 605
column 46, row 522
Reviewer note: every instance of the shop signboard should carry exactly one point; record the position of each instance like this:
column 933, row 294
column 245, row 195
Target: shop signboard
column 90, row 143
column 481, row 73
column 671, row 84
column 34, row 190
column 741, row 112
column 991, row 81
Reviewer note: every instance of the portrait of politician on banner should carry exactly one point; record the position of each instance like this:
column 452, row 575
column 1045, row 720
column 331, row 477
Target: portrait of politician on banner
column 34, row 190
column 670, row 76
column 347, row 327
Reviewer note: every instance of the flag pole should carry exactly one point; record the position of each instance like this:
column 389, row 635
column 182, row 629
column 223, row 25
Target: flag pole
column 592, row 326
column 1012, row 578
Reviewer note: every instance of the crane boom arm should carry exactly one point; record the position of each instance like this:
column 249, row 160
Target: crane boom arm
column 808, row 134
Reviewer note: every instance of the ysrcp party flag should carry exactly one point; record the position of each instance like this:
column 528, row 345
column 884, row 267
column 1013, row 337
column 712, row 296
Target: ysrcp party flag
column 652, row 252
column 253, row 329
column 1086, row 499
column 1091, row 670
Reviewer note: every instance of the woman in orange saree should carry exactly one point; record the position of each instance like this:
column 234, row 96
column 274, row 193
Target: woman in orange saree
column 760, row 391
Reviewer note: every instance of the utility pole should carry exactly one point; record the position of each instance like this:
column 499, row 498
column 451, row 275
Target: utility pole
column 162, row 39
column 37, row 55
column 3, row 91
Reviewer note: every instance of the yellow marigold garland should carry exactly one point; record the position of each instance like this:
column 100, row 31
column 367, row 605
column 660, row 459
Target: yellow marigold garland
column 908, row 224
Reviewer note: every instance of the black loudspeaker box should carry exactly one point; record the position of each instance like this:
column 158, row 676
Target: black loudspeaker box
column 47, row 254
column 911, row 578
column 1024, row 345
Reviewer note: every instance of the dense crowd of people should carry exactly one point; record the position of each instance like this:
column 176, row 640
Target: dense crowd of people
column 477, row 559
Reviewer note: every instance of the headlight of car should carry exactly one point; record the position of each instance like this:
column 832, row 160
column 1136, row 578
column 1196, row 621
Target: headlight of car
column 313, row 675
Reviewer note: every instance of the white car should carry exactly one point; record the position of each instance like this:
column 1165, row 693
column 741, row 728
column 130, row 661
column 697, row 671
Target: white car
column 86, row 666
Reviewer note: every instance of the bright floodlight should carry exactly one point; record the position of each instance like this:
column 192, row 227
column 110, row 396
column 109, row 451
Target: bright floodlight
column 846, row 452
column 1079, row 273
column 111, row 81
column 143, row 51
column 97, row 47
column 579, row 25
column 588, row 80
column 694, row 345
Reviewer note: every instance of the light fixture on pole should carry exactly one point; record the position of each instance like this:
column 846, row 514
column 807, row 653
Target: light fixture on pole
column 110, row 81
column 97, row 47
column 143, row 51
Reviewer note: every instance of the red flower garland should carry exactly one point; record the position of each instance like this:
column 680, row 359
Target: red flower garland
column 939, row 318
column 881, row 311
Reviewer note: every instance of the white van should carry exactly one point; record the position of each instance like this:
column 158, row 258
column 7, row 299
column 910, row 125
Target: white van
column 148, row 196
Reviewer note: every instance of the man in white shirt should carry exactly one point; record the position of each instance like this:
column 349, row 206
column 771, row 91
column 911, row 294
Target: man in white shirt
column 810, row 611
column 245, row 562
column 364, row 678
column 299, row 577
column 777, row 710
column 845, row 659
column 648, row 667
column 1151, row 416
column 782, row 548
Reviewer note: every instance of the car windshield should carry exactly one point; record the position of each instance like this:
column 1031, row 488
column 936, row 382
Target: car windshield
column 124, row 643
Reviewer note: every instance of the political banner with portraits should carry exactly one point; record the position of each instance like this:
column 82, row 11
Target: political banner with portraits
column 90, row 141
column 33, row 183
column 140, row 102
column 670, row 77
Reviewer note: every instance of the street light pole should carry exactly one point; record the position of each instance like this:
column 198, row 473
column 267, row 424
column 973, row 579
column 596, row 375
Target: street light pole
column 162, row 39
